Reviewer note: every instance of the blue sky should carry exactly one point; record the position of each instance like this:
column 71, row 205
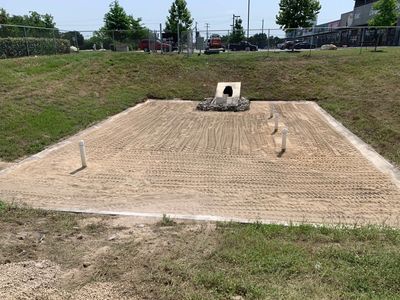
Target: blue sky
column 85, row 15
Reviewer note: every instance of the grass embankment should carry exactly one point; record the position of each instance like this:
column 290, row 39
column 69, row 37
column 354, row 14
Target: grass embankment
column 43, row 99
column 189, row 261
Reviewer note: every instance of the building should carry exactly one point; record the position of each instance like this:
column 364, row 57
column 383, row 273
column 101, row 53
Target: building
column 350, row 29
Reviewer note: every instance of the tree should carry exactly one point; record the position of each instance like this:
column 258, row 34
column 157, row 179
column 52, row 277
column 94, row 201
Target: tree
column 225, row 39
column 238, row 32
column 3, row 16
column 178, row 14
column 34, row 19
column 297, row 13
column 120, row 26
column 387, row 14
column 116, row 18
column 259, row 39
column 75, row 37
column 116, row 22
column 37, row 20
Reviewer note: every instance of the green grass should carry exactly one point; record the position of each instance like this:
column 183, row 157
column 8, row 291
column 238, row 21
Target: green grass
column 276, row 262
column 44, row 99
column 23, row 215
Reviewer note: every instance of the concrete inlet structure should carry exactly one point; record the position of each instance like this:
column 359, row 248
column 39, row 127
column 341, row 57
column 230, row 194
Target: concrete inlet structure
column 227, row 98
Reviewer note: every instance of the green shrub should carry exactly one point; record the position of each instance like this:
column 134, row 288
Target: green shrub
column 18, row 47
column 3, row 206
column 166, row 221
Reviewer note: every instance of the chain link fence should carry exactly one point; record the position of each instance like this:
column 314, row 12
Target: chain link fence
column 17, row 41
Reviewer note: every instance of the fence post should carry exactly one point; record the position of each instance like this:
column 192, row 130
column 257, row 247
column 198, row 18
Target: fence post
column 347, row 37
column 113, row 37
column 76, row 40
column 161, row 39
column 149, row 39
column 188, row 42
column 155, row 42
column 179, row 39
column 362, row 39
column 54, row 41
column 269, row 32
column 312, row 42
column 26, row 42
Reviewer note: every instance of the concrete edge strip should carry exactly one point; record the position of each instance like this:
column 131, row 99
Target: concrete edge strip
column 211, row 218
column 366, row 150
column 68, row 140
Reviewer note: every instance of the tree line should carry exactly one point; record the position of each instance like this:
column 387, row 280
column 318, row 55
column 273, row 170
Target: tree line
column 121, row 27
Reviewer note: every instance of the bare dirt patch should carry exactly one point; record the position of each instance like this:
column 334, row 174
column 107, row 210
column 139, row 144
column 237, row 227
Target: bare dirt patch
column 166, row 157
column 18, row 280
column 47, row 255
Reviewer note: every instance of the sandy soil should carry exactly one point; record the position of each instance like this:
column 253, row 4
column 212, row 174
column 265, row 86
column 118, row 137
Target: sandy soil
column 4, row 165
column 166, row 157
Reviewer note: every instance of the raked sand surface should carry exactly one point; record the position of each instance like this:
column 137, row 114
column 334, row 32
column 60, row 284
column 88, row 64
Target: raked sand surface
column 166, row 157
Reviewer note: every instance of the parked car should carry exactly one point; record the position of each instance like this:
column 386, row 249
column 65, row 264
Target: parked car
column 280, row 45
column 243, row 46
column 288, row 45
column 147, row 45
column 304, row 45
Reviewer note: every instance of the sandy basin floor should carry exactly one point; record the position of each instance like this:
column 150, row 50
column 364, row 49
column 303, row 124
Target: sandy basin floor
column 166, row 157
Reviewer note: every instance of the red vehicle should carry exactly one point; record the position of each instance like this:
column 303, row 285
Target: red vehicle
column 215, row 43
column 148, row 46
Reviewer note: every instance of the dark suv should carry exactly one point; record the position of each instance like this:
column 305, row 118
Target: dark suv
column 243, row 46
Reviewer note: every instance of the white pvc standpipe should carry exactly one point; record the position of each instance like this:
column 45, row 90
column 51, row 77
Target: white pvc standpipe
column 83, row 153
column 276, row 116
column 285, row 132
column 272, row 112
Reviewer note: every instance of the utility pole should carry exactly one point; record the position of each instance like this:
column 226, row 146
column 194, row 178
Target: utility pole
column 233, row 23
column 248, row 19
column 262, row 27
column 207, row 26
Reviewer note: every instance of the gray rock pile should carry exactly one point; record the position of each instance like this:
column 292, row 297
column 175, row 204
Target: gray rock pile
column 209, row 104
